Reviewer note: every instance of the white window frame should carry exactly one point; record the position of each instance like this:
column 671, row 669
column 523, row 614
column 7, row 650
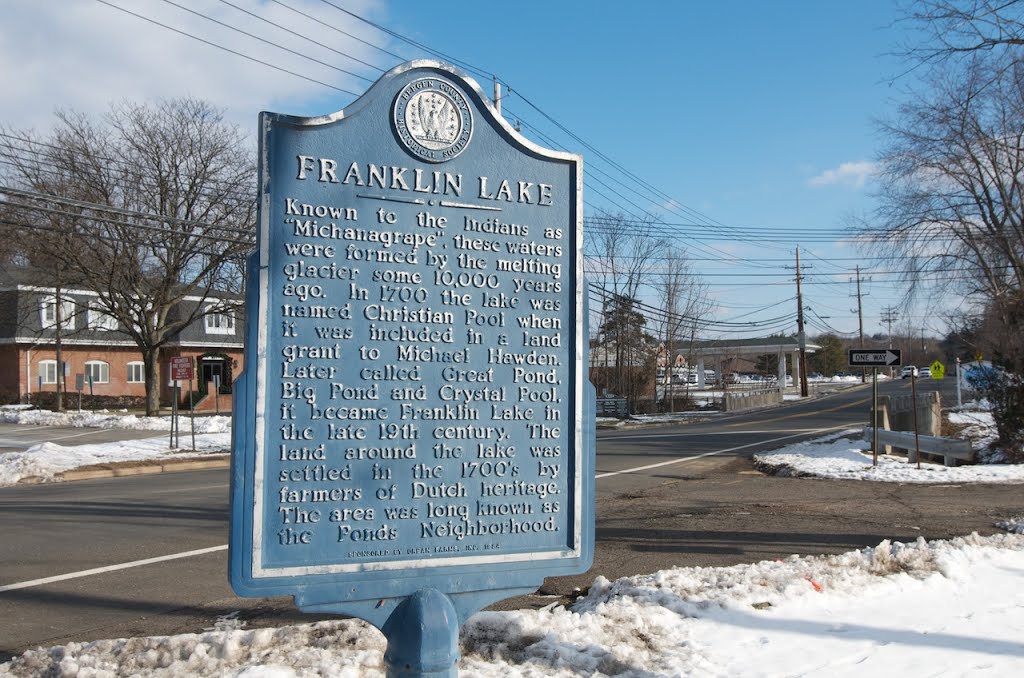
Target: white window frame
column 104, row 370
column 46, row 367
column 219, row 322
column 141, row 367
column 96, row 319
column 48, row 313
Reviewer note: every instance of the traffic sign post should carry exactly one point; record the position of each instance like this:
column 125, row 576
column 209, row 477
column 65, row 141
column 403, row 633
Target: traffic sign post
column 181, row 370
column 859, row 357
column 216, row 394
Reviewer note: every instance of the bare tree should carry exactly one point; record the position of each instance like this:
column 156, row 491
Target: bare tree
column 685, row 303
column 951, row 177
column 621, row 254
column 156, row 204
column 957, row 30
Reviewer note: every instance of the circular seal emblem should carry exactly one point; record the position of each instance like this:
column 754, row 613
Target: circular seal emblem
column 432, row 119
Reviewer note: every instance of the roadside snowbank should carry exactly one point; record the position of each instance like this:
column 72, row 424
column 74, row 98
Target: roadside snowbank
column 896, row 609
column 47, row 461
column 847, row 456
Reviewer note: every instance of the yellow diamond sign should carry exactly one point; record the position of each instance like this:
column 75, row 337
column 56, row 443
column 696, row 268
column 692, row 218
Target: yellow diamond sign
column 938, row 370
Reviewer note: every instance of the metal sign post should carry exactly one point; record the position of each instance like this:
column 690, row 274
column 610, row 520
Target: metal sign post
column 181, row 370
column 917, row 435
column 874, row 415
column 174, row 410
column 874, row 359
column 414, row 430
column 192, row 413
column 79, row 386
column 959, row 393
column 216, row 394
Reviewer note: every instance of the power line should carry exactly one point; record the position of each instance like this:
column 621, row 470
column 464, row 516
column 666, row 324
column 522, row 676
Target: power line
column 289, row 50
column 307, row 38
column 226, row 49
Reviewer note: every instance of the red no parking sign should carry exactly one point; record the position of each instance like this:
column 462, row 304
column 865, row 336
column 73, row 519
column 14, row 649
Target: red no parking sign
column 181, row 368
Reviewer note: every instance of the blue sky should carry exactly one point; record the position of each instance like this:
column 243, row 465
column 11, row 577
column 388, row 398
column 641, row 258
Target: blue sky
column 758, row 115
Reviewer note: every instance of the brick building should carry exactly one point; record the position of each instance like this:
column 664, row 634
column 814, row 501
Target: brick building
column 93, row 346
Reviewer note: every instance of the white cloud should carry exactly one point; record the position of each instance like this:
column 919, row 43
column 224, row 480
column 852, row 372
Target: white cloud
column 853, row 174
column 83, row 54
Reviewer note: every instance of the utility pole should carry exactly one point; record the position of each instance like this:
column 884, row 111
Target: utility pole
column 497, row 95
column 801, row 335
column 889, row 317
column 860, row 323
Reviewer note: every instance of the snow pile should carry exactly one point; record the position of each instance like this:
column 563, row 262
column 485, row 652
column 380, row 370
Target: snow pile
column 348, row 649
column 106, row 419
column 896, row 609
column 1015, row 525
column 845, row 458
column 848, row 457
column 979, row 426
column 46, row 461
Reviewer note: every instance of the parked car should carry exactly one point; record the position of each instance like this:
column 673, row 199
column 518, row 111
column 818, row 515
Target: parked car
column 908, row 371
column 924, row 372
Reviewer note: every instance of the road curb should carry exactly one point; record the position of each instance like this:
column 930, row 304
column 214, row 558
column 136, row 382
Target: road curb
column 116, row 470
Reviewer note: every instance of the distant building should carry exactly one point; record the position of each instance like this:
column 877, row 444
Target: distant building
column 95, row 347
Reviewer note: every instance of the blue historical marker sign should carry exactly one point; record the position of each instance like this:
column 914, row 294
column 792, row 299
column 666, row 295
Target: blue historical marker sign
column 414, row 413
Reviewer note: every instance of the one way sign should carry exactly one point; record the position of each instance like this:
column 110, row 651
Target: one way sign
column 874, row 358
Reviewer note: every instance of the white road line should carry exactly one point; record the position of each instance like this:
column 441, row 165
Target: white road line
column 223, row 547
column 76, row 435
column 33, row 427
column 10, row 442
column 711, row 454
column 110, row 568
column 176, row 490
column 641, row 436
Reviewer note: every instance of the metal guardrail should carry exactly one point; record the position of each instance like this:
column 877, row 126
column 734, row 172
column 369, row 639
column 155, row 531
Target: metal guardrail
column 951, row 450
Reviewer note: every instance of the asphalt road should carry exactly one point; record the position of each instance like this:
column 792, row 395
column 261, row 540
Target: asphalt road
column 15, row 437
column 666, row 496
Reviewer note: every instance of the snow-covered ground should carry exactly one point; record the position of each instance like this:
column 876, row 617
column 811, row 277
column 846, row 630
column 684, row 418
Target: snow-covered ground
column 847, row 456
column 47, row 460
column 951, row 608
column 945, row 608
